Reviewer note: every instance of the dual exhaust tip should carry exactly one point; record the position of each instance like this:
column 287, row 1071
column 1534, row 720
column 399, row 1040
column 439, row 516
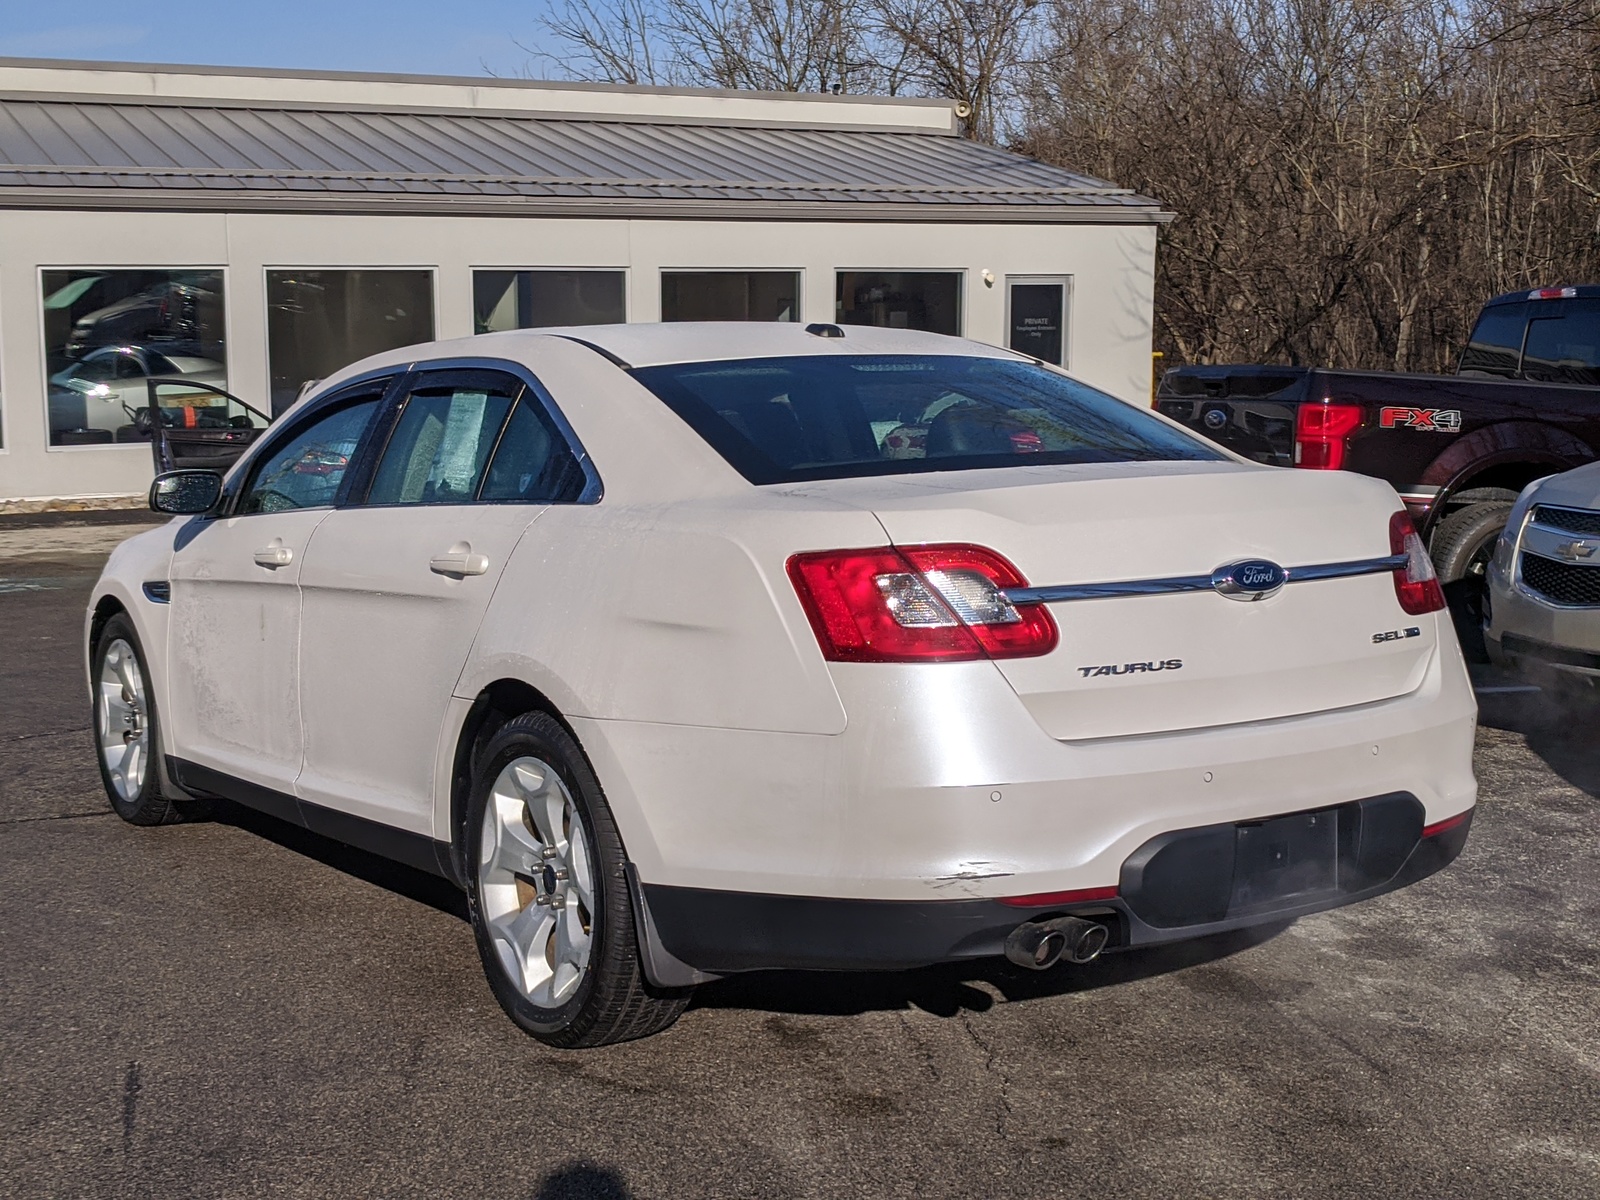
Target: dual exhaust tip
column 1040, row 945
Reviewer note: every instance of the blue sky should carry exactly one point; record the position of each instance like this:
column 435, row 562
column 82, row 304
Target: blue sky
column 443, row 37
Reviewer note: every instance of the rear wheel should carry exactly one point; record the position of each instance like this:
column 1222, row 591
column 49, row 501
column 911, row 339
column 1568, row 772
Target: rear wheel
column 548, row 894
column 1462, row 547
column 127, row 733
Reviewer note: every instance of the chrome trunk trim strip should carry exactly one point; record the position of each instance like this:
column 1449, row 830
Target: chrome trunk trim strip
column 1061, row 593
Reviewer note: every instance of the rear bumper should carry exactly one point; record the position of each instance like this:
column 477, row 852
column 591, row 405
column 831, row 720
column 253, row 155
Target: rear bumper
column 1183, row 884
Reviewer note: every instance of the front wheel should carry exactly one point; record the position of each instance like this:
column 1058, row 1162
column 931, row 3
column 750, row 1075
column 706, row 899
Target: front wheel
column 127, row 733
column 548, row 894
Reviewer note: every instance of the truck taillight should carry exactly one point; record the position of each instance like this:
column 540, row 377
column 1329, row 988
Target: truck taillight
column 1553, row 293
column 941, row 603
column 1416, row 585
column 1321, row 435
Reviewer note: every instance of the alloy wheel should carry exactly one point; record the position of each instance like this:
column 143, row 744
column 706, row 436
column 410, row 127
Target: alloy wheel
column 124, row 720
column 536, row 882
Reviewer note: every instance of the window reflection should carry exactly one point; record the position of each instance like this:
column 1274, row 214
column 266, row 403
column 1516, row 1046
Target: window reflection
column 730, row 295
column 927, row 300
column 107, row 332
column 504, row 300
column 320, row 321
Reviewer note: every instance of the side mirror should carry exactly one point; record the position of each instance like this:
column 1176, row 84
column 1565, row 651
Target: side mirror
column 185, row 493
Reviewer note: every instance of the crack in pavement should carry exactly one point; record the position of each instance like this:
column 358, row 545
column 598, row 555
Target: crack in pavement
column 25, row 737
column 990, row 1057
column 922, row 1047
column 57, row 817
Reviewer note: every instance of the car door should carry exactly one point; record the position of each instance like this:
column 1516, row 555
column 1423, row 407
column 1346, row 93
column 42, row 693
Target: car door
column 199, row 426
column 233, row 648
column 395, row 587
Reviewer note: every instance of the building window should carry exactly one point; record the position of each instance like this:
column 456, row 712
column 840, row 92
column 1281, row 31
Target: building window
column 929, row 300
column 534, row 299
column 730, row 295
column 320, row 321
column 106, row 332
column 1036, row 317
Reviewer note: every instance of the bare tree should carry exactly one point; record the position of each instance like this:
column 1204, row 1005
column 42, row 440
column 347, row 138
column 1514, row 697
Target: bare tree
column 1351, row 178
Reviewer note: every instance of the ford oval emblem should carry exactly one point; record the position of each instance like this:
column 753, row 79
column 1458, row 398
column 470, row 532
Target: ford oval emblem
column 1249, row 579
column 1215, row 418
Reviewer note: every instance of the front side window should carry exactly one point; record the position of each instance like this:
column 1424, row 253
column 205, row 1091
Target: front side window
column 779, row 420
column 106, row 330
column 730, row 295
column 504, row 300
column 926, row 300
column 306, row 468
column 320, row 321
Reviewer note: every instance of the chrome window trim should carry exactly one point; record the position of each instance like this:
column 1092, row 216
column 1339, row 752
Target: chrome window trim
column 1061, row 593
column 593, row 488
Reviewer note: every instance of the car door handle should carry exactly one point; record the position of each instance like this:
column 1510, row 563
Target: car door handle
column 273, row 556
column 460, row 561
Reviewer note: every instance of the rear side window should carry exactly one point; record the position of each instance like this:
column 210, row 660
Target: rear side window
column 1565, row 346
column 533, row 463
column 832, row 416
column 1495, row 347
column 442, row 442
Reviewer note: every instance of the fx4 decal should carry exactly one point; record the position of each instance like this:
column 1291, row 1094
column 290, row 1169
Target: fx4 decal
column 1428, row 420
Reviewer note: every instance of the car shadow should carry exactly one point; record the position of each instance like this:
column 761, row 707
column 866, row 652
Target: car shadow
column 1561, row 730
column 945, row 990
column 949, row 989
column 406, row 881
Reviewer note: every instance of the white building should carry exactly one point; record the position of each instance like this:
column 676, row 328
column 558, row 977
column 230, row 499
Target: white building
column 257, row 229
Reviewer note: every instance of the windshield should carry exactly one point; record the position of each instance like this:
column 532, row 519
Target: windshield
column 832, row 416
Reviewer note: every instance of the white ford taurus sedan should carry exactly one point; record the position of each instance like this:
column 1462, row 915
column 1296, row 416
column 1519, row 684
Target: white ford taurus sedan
column 696, row 649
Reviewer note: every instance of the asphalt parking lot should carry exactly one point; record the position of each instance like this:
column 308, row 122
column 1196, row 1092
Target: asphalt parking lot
column 241, row 1009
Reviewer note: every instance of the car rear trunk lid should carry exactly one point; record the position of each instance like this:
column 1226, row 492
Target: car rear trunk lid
column 1141, row 664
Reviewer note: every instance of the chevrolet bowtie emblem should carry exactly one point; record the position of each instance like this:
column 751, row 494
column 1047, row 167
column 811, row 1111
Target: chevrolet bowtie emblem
column 1576, row 550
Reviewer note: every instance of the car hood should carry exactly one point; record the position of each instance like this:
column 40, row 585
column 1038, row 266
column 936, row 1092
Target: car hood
column 1574, row 489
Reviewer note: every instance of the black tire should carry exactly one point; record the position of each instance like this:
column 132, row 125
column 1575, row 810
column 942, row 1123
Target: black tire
column 158, row 801
column 613, row 1002
column 1461, row 548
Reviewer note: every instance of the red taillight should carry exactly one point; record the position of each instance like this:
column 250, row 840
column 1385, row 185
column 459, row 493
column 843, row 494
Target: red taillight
column 1416, row 585
column 1060, row 899
column 1321, row 433
column 942, row 603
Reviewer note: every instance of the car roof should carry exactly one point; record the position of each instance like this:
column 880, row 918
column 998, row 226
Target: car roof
column 649, row 345
column 654, row 344
column 1580, row 291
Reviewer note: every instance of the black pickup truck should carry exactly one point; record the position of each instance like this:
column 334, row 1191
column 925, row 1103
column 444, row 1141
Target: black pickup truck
column 1524, row 403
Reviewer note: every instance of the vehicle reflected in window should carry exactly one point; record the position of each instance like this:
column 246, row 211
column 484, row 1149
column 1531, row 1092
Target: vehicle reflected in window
column 307, row 468
column 107, row 332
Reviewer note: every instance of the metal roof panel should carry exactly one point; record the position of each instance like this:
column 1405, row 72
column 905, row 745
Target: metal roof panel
column 117, row 145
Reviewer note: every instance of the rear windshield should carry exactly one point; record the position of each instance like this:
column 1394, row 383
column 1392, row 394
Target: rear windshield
column 833, row 416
